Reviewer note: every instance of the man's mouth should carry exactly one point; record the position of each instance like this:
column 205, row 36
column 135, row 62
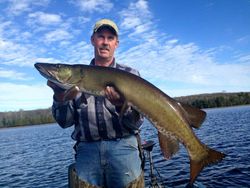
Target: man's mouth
column 104, row 49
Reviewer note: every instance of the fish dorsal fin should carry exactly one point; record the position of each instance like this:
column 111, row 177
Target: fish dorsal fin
column 195, row 116
column 169, row 145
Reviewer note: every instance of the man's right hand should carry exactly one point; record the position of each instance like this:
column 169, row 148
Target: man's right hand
column 62, row 95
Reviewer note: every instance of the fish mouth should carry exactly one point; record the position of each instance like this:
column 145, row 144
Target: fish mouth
column 43, row 71
column 46, row 70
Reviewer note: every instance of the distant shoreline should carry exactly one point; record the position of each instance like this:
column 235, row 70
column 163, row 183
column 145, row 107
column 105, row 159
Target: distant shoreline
column 23, row 126
column 203, row 101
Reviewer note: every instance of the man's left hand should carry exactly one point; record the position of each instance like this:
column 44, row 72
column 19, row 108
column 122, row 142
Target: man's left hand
column 114, row 96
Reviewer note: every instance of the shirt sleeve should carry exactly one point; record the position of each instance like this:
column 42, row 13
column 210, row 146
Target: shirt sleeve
column 63, row 113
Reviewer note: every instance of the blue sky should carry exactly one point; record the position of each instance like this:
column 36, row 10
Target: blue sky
column 182, row 47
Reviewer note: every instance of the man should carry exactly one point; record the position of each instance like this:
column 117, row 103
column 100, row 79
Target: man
column 107, row 152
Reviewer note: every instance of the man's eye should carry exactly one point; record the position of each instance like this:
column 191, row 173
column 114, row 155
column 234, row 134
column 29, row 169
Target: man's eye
column 111, row 38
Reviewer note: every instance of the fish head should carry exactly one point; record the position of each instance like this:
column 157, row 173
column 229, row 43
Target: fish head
column 55, row 72
column 65, row 76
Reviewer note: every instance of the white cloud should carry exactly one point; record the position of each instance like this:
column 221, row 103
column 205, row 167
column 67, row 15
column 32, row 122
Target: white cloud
column 175, row 67
column 130, row 22
column 17, row 7
column 47, row 60
column 57, row 35
column 83, row 20
column 186, row 64
column 13, row 75
column 16, row 54
column 81, row 52
column 244, row 59
column 44, row 18
column 94, row 5
column 172, row 41
column 3, row 27
column 243, row 39
column 10, row 31
column 20, row 96
column 165, row 61
column 137, row 21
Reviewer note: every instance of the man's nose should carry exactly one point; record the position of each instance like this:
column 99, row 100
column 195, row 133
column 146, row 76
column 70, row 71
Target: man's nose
column 105, row 40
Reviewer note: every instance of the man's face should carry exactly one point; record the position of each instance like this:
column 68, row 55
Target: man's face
column 105, row 43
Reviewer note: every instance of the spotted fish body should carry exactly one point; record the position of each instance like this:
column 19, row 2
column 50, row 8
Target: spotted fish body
column 172, row 120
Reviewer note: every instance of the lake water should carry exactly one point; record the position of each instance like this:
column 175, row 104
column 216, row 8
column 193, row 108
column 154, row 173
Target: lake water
column 39, row 156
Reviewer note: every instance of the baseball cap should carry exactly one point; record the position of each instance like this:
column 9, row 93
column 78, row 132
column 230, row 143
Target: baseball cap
column 106, row 23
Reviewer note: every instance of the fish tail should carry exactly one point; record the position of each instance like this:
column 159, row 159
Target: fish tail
column 212, row 156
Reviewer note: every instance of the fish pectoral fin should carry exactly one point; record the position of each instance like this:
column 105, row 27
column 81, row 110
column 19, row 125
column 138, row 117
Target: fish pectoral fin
column 195, row 116
column 71, row 93
column 212, row 156
column 169, row 145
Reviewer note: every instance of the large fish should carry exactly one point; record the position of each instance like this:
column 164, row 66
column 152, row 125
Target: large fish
column 173, row 120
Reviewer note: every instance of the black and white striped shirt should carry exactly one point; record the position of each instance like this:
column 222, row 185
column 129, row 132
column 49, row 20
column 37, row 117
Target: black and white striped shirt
column 95, row 118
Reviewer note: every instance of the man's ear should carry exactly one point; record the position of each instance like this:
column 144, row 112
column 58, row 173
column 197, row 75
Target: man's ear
column 117, row 43
column 92, row 40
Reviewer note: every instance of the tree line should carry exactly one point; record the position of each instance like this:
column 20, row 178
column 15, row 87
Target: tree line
column 216, row 100
column 22, row 118
column 43, row 116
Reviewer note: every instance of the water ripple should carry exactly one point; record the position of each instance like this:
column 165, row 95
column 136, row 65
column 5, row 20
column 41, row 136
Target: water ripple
column 39, row 156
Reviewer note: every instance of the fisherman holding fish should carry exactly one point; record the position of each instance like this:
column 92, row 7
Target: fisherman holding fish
column 106, row 128
column 106, row 116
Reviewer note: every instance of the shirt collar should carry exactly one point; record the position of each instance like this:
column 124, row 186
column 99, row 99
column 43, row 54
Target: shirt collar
column 113, row 64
